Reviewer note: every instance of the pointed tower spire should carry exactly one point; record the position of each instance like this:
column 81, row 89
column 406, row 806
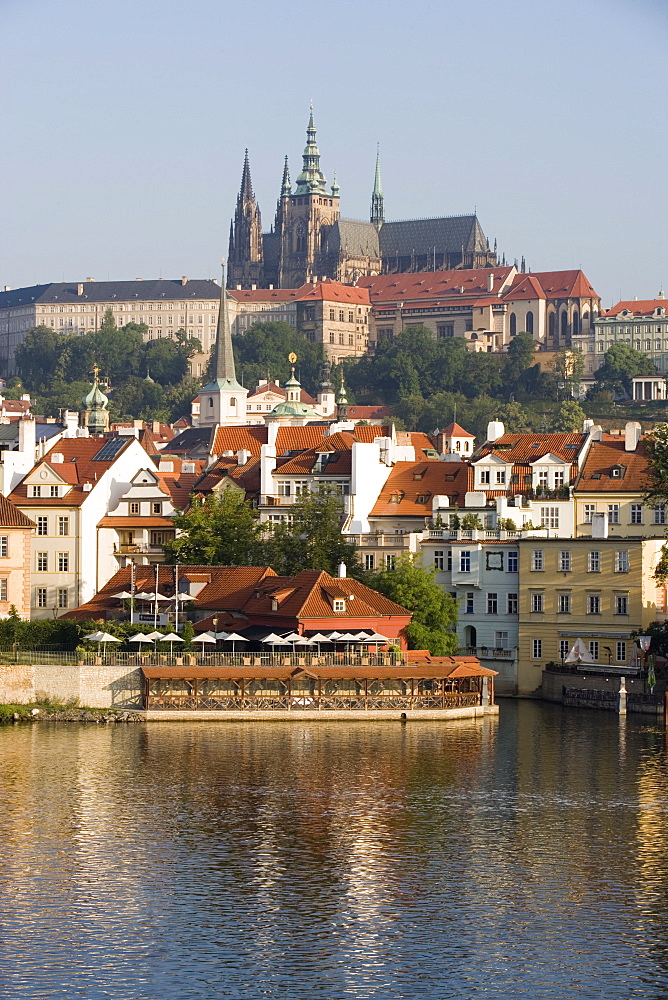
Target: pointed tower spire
column 246, row 245
column 223, row 399
column 286, row 186
column 377, row 209
column 311, row 180
column 223, row 369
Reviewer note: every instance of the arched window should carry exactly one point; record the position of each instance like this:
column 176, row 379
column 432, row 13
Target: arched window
column 210, row 400
column 300, row 239
column 576, row 322
column 551, row 323
column 529, row 322
column 513, row 324
column 564, row 325
column 233, row 403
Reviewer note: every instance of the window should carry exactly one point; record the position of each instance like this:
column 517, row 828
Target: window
column 369, row 560
column 439, row 559
column 42, row 562
column 42, row 525
column 390, row 561
column 283, row 488
column 593, row 649
column 512, row 562
column 36, row 491
column 549, row 517
column 40, row 597
column 594, row 561
column 660, row 513
column 301, row 487
column 593, row 604
column 63, row 595
column 564, row 561
column 536, row 603
column 445, row 331
column 613, row 513
column 339, row 604
column 3, row 589
column 156, row 508
column 511, row 604
column 622, row 561
column 331, row 338
column 134, row 508
column 589, row 511
column 537, row 560
column 620, row 652
column 564, row 604
column 563, row 649
column 559, row 478
column 500, row 477
column 63, row 562
column 465, row 562
column 54, row 491
column 484, row 477
column 537, row 648
column 469, row 604
column 636, row 513
column 500, row 640
column 63, row 525
column 492, row 604
column 621, row 604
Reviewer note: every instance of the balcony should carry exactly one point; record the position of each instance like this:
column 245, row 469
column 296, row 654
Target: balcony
column 487, row 652
column 544, row 493
column 138, row 548
column 396, row 541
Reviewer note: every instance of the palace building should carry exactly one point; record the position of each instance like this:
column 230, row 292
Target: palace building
column 310, row 240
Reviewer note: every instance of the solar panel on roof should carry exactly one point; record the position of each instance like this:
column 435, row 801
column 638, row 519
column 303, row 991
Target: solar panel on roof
column 110, row 449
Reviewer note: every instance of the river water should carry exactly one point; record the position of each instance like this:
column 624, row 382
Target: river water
column 520, row 857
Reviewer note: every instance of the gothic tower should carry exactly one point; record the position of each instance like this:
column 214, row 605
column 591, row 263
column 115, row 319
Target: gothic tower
column 377, row 210
column 245, row 252
column 304, row 213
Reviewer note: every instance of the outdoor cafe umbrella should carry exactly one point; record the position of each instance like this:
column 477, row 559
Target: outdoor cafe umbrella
column 275, row 640
column 234, row 637
column 318, row 638
column 171, row 638
column 143, row 596
column 140, row 637
column 155, row 635
column 101, row 637
column 124, row 595
column 204, row 637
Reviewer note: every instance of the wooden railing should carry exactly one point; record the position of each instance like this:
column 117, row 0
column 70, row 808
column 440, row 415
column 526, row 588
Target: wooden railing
column 301, row 702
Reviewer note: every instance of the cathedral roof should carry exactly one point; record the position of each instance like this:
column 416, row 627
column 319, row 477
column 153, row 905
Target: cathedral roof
column 447, row 235
column 437, row 284
column 351, row 236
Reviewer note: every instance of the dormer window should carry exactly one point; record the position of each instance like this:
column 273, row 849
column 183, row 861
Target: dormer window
column 338, row 604
column 134, row 508
column 616, row 472
column 422, row 497
column 54, row 491
column 156, row 508
column 484, row 477
column 35, row 491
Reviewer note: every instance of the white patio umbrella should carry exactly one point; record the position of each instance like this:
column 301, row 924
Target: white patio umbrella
column 234, row 637
column 171, row 638
column 143, row 596
column 297, row 638
column 140, row 637
column 104, row 637
column 318, row 638
column 333, row 636
column 123, row 596
column 204, row 637
column 155, row 635
column 94, row 636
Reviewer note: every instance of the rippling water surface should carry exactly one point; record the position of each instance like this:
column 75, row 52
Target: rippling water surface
column 525, row 857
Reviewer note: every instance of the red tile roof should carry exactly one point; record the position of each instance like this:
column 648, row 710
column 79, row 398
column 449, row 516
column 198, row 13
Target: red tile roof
column 639, row 307
column 434, row 284
column 604, row 456
column 367, row 412
column 565, row 284
column 332, row 291
column 12, row 517
column 426, row 479
column 524, row 286
column 527, row 448
column 272, row 387
column 456, row 430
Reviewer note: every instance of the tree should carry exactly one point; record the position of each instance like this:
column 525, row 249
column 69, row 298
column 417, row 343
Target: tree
column 521, row 354
column 38, row 357
column 312, row 539
column 568, row 367
column 434, row 611
column 656, row 443
column 621, row 363
column 218, row 530
column 262, row 352
column 570, row 416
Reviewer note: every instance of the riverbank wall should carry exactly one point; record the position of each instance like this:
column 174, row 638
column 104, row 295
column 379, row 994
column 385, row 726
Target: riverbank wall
column 600, row 692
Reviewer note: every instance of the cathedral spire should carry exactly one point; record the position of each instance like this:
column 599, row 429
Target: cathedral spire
column 377, row 209
column 286, row 186
column 246, row 245
column 246, row 190
column 311, row 180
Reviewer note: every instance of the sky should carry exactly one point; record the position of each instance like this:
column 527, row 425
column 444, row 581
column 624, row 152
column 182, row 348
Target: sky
column 124, row 126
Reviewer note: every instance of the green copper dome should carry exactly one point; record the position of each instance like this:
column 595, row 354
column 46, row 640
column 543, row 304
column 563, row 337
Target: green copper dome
column 95, row 399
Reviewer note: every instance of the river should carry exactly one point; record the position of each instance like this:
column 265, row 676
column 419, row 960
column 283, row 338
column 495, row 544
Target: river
column 520, row 857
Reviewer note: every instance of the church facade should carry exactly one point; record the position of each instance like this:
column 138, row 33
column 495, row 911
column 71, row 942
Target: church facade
column 309, row 240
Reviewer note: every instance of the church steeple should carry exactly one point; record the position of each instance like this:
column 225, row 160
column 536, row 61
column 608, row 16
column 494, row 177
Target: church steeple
column 311, row 180
column 223, row 399
column 377, row 209
column 286, row 186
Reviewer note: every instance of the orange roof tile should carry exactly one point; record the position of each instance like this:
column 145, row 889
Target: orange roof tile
column 11, row 516
column 332, row 291
column 527, row 448
column 524, row 286
column 427, row 479
column 639, row 307
column 434, row 284
column 633, row 470
column 456, row 430
column 565, row 284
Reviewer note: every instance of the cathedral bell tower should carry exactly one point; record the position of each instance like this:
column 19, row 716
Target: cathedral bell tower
column 303, row 214
column 245, row 250
column 222, row 400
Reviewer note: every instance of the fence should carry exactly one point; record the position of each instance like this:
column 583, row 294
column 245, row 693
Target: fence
column 177, row 657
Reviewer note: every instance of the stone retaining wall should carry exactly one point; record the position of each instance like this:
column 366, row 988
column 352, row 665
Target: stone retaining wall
column 105, row 686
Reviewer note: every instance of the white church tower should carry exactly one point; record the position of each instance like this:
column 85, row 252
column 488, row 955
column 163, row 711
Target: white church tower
column 223, row 400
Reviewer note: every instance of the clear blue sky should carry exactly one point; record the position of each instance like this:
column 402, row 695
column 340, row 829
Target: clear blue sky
column 124, row 126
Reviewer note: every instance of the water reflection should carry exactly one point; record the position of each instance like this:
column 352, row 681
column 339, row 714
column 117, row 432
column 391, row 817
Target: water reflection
column 518, row 858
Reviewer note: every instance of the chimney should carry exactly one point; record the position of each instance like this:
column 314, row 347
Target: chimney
column 495, row 430
column 242, row 456
column 27, row 436
column 599, row 526
column 8, row 288
column 632, row 434
column 490, row 282
column 80, row 288
column 90, row 279
column 238, row 288
column 253, row 288
column 341, row 571
column 184, row 279
column 270, row 287
column 587, row 425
